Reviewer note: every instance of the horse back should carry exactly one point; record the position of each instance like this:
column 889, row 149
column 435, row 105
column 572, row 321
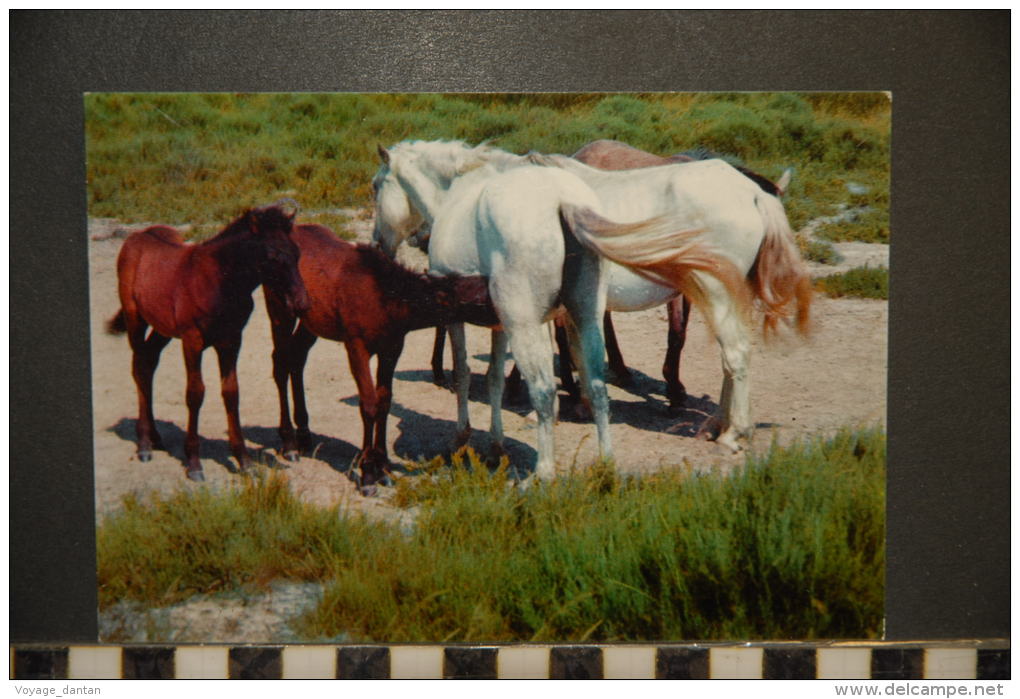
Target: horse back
column 151, row 271
column 345, row 294
column 606, row 154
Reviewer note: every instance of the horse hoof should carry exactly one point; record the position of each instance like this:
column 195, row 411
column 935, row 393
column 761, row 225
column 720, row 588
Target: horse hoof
column 197, row 476
column 369, row 491
column 462, row 438
column 293, row 456
column 144, row 456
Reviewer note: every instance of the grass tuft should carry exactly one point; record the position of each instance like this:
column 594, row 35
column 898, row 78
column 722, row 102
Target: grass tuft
column 202, row 158
column 862, row 282
column 789, row 546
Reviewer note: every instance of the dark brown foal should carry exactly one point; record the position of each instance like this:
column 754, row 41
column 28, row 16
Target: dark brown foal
column 364, row 299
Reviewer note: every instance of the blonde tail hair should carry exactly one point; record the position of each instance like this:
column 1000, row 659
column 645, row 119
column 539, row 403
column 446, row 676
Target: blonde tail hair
column 778, row 276
column 656, row 250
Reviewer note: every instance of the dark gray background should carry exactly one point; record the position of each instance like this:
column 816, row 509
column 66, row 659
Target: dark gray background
column 948, row 493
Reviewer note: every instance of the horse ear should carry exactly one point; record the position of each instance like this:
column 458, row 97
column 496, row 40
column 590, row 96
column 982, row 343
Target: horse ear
column 384, row 155
column 252, row 217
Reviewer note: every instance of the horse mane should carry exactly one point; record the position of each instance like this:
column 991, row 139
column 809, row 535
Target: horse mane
column 450, row 159
column 273, row 216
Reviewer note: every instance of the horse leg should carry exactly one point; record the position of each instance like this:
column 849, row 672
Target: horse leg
column 227, row 354
column 494, row 379
column 384, row 396
column 616, row 363
column 283, row 329
column 532, row 348
column 438, row 377
column 566, row 362
column 462, row 381
column 368, row 403
column 679, row 310
column 195, row 394
column 300, row 343
column 732, row 335
column 584, row 296
column 145, row 358
column 515, row 390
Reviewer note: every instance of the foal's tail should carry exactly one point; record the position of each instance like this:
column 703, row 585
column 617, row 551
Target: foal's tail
column 117, row 325
column 656, row 250
column 778, row 276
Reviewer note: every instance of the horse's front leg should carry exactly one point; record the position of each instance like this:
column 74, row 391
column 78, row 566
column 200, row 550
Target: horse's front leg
column 462, row 382
column 300, row 344
column 494, row 379
column 283, row 329
column 195, row 394
column 438, row 377
column 679, row 313
column 227, row 353
column 616, row 363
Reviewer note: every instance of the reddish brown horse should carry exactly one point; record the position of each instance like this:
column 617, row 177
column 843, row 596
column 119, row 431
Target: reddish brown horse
column 364, row 299
column 614, row 155
column 202, row 295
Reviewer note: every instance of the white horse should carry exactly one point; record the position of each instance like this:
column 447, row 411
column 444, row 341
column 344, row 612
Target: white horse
column 533, row 231
column 746, row 225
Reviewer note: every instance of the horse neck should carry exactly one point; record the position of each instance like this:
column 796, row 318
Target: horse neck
column 426, row 192
column 233, row 253
column 501, row 160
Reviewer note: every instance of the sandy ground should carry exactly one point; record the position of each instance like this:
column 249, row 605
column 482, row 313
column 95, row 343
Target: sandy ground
column 799, row 388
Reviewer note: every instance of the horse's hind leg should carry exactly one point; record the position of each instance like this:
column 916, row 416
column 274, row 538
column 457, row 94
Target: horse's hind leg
column 194, row 396
column 732, row 334
column 145, row 359
column 384, row 398
column 532, row 349
column 584, row 297
column 679, row 311
column 227, row 355
column 368, row 403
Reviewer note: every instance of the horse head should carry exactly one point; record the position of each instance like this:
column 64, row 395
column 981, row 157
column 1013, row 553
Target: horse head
column 395, row 217
column 277, row 255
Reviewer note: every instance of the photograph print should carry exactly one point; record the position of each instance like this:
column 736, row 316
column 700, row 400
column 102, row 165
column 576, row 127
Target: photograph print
column 480, row 368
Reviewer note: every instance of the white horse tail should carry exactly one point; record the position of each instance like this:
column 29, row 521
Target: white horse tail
column 778, row 276
column 658, row 251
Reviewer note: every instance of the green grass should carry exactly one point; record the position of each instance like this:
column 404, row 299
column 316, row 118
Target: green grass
column 818, row 251
column 201, row 158
column 862, row 282
column 790, row 546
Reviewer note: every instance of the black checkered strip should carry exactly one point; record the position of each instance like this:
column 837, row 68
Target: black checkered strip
column 881, row 661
